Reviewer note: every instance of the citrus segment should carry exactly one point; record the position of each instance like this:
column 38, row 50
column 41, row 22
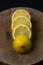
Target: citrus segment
column 21, row 20
column 21, row 12
column 21, row 30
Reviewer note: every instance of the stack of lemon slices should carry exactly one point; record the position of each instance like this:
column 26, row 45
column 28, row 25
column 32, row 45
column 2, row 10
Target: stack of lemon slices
column 21, row 23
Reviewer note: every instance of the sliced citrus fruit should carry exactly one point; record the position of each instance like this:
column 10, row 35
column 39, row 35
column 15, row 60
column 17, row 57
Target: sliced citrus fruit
column 21, row 20
column 22, row 44
column 21, row 12
column 21, row 30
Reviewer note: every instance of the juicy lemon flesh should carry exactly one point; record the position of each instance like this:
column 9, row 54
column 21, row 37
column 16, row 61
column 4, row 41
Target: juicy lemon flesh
column 22, row 44
column 21, row 20
column 21, row 12
column 21, row 30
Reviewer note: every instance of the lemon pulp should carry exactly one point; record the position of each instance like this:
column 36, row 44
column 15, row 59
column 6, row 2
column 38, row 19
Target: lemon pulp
column 21, row 12
column 21, row 20
column 21, row 30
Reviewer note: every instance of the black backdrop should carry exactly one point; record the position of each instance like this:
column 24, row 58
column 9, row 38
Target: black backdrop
column 36, row 4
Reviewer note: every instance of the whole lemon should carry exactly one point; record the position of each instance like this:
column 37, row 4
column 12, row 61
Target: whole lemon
column 22, row 44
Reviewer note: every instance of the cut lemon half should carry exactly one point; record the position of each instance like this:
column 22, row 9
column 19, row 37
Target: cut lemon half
column 22, row 44
column 21, row 20
column 21, row 12
column 21, row 30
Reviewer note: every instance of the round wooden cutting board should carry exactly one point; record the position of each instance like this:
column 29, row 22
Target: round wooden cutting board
column 7, row 55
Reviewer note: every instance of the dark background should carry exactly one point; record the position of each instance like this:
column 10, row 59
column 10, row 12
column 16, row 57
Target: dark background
column 36, row 4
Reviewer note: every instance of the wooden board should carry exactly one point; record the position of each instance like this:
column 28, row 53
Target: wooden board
column 7, row 55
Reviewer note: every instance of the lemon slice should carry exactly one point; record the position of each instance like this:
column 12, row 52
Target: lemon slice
column 21, row 30
column 21, row 20
column 21, row 12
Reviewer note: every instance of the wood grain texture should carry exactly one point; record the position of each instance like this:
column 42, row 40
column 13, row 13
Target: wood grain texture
column 7, row 55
